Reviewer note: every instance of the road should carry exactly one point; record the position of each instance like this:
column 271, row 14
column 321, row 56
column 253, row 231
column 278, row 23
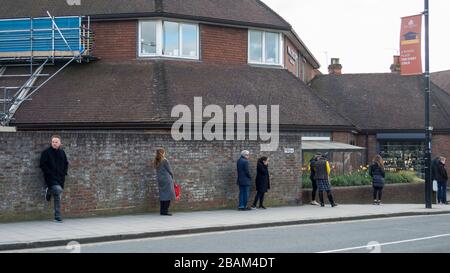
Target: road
column 420, row 234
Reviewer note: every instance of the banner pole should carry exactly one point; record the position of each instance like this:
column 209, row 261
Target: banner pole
column 428, row 128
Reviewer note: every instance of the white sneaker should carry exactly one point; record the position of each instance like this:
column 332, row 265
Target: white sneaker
column 314, row 203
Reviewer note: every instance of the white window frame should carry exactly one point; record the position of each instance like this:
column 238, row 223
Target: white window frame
column 160, row 40
column 280, row 49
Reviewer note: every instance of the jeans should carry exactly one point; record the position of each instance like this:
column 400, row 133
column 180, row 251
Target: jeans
column 56, row 191
column 259, row 196
column 442, row 192
column 244, row 193
column 377, row 193
column 314, row 190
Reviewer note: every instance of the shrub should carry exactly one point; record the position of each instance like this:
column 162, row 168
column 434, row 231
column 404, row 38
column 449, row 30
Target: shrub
column 362, row 178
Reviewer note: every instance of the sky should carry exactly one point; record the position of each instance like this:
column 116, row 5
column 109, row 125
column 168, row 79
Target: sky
column 364, row 34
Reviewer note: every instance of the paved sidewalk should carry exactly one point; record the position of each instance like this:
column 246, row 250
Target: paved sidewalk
column 47, row 233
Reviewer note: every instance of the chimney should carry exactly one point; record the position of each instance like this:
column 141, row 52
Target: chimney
column 395, row 67
column 335, row 68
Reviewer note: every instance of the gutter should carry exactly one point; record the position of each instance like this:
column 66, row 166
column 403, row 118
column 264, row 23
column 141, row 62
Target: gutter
column 159, row 126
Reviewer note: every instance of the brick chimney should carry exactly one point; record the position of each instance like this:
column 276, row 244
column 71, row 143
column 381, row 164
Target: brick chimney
column 335, row 68
column 395, row 67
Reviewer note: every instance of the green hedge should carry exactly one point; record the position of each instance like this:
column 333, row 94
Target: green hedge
column 363, row 179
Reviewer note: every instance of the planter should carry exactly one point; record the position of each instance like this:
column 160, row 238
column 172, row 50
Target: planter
column 413, row 193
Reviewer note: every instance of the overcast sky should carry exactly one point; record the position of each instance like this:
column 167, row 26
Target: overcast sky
column 364, row 34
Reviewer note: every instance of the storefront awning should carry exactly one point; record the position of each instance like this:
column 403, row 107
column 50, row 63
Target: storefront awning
column 329, row 146
column 401, row 136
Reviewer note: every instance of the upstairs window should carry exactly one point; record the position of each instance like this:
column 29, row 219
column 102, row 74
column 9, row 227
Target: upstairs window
column 264, row 47
column 148, row 38
column 168, row 39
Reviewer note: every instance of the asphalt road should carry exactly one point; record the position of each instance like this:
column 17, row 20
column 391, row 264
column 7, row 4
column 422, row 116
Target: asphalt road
column 421, row 234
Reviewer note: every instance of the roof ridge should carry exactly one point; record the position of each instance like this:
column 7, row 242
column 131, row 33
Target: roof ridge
column 272, row 11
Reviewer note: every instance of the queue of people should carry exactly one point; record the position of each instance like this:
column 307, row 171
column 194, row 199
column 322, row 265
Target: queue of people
column 54, row 164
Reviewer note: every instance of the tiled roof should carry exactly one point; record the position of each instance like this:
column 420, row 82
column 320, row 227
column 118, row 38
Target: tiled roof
column 146, row 91
column 383, row 101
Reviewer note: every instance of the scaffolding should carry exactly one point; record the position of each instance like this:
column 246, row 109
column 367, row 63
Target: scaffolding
column 29, row 45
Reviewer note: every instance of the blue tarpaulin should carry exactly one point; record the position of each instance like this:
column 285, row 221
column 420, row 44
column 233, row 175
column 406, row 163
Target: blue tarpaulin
column 39, row 34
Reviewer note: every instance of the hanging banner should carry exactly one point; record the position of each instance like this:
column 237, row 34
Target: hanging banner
column 411, row 45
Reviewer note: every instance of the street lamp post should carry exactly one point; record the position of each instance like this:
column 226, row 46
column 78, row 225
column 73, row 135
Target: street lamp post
column 428, row 128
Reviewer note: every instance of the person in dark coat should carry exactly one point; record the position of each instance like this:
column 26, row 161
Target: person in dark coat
column 434, row 167
column 262, row 181
column 244, row 180
column 312, row 162
column 442, row 179
column 322, row 173
column 376, row 171
column 54, row 165
column 166, row 187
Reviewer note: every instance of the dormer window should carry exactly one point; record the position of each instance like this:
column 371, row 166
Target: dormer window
column 265, row 47
column 159, row 38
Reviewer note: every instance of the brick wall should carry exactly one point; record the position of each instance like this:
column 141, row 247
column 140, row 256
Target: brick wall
column 309, row 71
column 288, row 59
column 370, row 143
column 342, row 137
column 115, row 40
column 224, row 44
column 110, row 173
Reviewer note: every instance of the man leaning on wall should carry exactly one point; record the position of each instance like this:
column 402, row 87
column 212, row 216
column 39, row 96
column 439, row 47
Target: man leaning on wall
column 54, row 165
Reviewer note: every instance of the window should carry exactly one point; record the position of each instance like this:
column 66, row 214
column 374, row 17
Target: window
column 148, row 38
column 265, row 47
column 168, row 39
column 190, row 41
column 256, row 46
column 171, row 39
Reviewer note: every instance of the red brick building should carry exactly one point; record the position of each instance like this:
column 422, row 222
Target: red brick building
column 389, row 112
column 115, row 110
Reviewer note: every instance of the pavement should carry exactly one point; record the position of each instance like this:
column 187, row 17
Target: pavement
column 39, row 234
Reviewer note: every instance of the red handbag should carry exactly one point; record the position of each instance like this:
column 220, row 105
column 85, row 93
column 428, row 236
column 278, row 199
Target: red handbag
column 177, row 188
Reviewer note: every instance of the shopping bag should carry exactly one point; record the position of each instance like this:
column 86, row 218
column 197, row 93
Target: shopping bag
column 177, row 191
column 435, row 185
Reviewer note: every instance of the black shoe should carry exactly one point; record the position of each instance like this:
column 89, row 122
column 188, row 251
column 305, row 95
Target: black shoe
column 48, row 194
column 334, row 205
column 247, row 208
column 166, row 214
column 58, row 220
column 322, row 205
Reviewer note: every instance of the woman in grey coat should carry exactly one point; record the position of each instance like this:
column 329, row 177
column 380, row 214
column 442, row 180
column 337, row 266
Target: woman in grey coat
column 165, row 181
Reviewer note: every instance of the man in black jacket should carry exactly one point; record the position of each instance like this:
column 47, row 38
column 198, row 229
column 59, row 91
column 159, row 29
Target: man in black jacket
column 442, row 179
column 54, row 165
column 312, row 162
